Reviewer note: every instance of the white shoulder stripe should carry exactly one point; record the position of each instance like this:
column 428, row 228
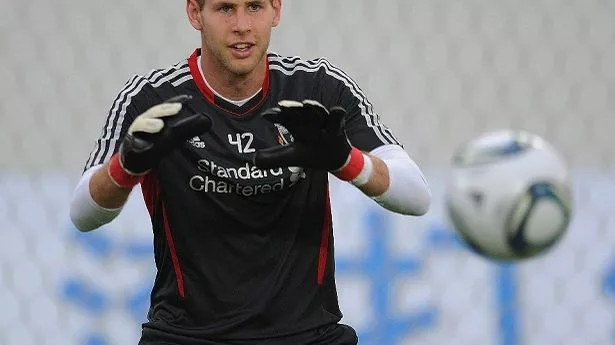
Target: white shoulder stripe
column 290, row 66
column 182, row 79
column 105, row 145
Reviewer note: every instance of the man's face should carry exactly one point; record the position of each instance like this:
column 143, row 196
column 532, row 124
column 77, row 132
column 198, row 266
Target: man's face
column 235, row 33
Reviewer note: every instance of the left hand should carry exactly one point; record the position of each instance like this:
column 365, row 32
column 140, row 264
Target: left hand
column 320, row 140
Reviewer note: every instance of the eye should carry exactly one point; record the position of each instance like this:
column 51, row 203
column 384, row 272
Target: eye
column 225, row 8
column 254, row 7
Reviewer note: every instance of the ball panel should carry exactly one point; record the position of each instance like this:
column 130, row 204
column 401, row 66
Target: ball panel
column 535, row 228
column 545, row 222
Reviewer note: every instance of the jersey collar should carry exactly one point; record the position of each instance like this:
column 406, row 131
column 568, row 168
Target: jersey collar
column 209, row 95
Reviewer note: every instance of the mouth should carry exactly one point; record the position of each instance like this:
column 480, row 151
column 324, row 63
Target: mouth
column 242, row 50
column 242, row 47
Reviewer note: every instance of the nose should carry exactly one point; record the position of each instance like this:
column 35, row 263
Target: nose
column 243, row 21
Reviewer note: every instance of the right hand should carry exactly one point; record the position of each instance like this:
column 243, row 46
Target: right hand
column 157, row 132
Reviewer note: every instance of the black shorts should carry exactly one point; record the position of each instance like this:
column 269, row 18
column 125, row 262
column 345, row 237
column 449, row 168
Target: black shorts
column 335, row 334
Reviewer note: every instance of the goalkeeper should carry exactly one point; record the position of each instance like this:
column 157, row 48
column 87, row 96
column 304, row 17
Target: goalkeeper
column 232, row 148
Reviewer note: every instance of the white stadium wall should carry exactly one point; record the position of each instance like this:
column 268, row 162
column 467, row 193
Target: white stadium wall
column 438, row 72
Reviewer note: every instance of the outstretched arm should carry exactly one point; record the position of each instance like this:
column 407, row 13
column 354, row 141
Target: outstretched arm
column 388, row 174
column 395, row 181
column 105, row 191
column 96, row 200
column 104, row 188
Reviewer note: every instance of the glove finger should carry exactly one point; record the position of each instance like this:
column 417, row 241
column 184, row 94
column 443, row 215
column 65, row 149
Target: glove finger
column 287, row 103
column 147, row 125
column 275, row 157
column 285, row 118
column 316, row 113
column 315, row 107
column 190, row 126
column 294, row 114
column 336, row 121
column 179, row 99
column 162, row 110
column 272, row 115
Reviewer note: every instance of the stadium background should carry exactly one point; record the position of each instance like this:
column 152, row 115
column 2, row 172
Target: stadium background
column 438, row 72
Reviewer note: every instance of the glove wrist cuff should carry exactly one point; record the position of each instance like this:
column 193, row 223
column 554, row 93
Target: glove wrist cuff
column 357, row 169
column 365, row 173
column 119, row 175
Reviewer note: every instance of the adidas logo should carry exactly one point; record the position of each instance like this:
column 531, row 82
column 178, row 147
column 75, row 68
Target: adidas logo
column 197, row 142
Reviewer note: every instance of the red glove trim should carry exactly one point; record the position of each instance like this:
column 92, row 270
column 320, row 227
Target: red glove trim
column 120, row 176
column 353, row 166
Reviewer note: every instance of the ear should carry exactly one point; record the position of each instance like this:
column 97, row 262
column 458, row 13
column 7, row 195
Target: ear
column 194, row 14
column 277, row 9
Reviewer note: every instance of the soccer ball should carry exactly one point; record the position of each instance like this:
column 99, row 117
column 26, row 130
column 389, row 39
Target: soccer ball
column 508, row 195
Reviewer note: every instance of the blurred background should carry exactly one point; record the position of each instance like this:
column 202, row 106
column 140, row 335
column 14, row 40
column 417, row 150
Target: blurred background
column 438, row 71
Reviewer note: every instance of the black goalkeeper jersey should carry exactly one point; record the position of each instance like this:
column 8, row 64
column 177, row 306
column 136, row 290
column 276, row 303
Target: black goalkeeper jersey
column 241, row 252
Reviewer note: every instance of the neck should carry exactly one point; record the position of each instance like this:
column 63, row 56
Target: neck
column 233, row 86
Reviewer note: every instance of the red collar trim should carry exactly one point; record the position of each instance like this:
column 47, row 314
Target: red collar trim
column 209, row 93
